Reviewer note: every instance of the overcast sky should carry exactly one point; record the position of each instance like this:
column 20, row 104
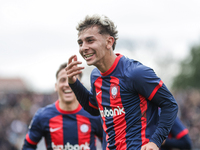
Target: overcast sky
column 36, row 36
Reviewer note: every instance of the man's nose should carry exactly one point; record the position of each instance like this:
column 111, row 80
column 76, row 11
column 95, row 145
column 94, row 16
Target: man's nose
column 66, row 83
column 84, row 47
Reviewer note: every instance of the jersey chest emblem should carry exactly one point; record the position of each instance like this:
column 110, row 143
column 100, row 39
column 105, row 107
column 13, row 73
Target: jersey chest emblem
column 84, row 128
column 114, row 91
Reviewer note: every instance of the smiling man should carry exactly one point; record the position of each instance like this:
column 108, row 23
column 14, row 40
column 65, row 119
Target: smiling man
column 124, row 92
column 64, row 124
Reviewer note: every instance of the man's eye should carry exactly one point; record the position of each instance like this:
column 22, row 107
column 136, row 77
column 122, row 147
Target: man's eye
column 62, row 80
column 80, row 43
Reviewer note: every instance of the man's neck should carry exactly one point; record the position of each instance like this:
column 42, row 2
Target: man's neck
column 68, row 106
column 107, row 62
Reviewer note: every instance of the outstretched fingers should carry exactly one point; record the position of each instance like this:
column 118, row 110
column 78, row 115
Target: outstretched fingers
column 73, row 69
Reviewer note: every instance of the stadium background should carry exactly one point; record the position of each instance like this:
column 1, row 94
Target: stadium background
column 37, row 36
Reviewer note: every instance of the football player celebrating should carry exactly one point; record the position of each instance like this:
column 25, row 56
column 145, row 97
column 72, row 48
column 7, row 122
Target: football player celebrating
column 124, row 92
column 64, row 124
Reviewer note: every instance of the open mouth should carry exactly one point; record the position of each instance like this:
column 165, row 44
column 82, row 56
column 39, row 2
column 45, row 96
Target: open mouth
column 89, row 55
column 67, row 91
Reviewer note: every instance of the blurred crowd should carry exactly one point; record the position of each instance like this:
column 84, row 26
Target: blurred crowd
column 17, row 110
column 189, row 113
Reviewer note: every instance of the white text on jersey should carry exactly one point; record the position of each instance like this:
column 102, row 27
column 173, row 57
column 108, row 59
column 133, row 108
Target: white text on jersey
column 112, row 112
column 68, row 146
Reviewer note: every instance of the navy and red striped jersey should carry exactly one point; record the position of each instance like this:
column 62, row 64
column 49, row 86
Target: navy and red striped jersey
column 63, row 129
column 127, row 97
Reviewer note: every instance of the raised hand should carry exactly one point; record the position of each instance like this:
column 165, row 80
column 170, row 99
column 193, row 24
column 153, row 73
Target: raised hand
column 72, row 69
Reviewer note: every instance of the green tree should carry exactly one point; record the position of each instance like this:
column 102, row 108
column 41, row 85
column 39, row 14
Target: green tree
column 189, row 76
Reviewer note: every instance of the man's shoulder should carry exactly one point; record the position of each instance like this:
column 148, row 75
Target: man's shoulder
column 130, row 63
column 134, row 71
column 133, row 66
column 45, row 111
column 95, row 71
column 88, row 115
column 84, row 113
column 95, row 74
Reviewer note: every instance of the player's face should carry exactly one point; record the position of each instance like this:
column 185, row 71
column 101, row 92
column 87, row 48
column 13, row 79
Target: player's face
column 63, row 89
column 92, row 46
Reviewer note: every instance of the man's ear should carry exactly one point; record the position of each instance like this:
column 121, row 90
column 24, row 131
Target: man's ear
column 110, row 41
column 55, row 88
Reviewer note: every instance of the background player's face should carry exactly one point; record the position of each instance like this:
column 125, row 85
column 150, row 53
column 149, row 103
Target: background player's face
column 63, row 89
column 93, row 46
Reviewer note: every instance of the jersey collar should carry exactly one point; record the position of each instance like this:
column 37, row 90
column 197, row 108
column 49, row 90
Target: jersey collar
column 67, row 112
column 113, row 66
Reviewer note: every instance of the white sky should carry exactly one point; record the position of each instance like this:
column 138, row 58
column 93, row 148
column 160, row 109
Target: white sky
column 36, row 36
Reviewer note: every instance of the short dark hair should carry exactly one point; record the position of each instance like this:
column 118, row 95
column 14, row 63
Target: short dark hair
column 63, row 66
column 106, row 26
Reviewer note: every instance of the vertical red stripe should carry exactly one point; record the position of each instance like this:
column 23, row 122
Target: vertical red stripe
column 56, row 130
column 98, row 84
column 143, row 108
column 84, row 129
column 107, row 143
column 118, row 118
column 155, row 90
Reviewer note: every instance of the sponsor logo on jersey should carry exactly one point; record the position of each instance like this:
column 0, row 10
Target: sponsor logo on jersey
column 84, row 128
column 68, row 146
column 112, row 112
column 114, row 91
column 55, row 129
